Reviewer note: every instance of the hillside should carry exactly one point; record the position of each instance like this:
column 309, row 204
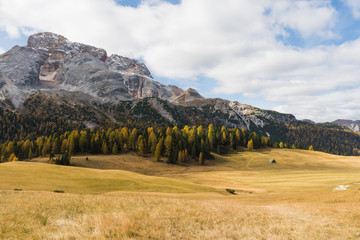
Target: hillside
column 295, row 198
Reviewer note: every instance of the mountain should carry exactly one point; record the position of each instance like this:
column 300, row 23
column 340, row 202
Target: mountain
column 52, row 62
column 53, row 83
column 58, row 71
column 352, row 125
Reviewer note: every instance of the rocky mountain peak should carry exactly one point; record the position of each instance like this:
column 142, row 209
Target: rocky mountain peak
column 189, row 95
column 51, row 62
column 60, row 46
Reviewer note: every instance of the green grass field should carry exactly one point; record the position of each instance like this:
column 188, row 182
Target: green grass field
column 129, row 197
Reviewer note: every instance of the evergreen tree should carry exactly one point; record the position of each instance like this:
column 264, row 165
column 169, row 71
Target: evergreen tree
column 30, row 156
column 152, row 142
column 157, row 153
column 115, row 149
column 64, row 146
column 132, row 139
column 56, row 146
column 141, row 147
column 104, row 148
column 201, row 160
column 168, row 145
column 83, row 141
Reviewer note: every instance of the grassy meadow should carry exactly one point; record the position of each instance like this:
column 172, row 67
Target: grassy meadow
column 129, row 197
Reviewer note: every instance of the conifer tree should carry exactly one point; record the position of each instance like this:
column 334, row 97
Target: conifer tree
column 64, row 146
column 104, row 148
column 250, row 144
column 30, row 156
column 238, row 136
column 115, row 149
column 56, row 146
column 152, row 142
column 157, row 153
column 168, row 145
column 13, row 158
column 211, row 137
column 83, row 141
column 141, row 147
column 132, row 139
column 201, row 161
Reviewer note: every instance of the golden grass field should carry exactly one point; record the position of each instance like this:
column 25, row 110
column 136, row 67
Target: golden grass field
column 129, row 197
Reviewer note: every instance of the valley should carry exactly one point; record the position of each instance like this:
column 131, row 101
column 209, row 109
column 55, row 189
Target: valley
column 130, row 197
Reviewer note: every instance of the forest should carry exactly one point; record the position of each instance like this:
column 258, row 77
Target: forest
column 40, row 134
column 174, row 144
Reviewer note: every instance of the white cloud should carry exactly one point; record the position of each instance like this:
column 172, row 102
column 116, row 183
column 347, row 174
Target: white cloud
column 233, row 42
column 355, row 7
column 2, row 51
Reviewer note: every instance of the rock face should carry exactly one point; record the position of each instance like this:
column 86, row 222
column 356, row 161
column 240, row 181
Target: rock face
column 53, row 71
column 352, row 125
column 235, row 114
column 52, row 62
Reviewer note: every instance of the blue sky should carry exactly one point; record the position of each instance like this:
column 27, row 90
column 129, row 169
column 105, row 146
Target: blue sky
column 294, row 56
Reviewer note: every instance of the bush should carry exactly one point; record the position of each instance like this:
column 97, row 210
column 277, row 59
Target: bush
column 231, row 191
column 64, row 159
column 58, row 191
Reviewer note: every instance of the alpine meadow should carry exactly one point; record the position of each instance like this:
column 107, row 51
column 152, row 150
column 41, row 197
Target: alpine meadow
column 139, row 141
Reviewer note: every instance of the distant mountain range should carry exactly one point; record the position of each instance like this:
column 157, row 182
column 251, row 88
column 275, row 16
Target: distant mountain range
column 55, row 77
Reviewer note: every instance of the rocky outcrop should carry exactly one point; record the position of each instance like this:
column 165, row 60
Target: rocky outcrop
column 188, row 95
column 234, row 114
column 352, row 125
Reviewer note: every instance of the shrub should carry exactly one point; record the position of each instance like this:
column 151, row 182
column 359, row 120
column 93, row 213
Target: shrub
column 58, row 191
column 231, row 191
column 64, row 159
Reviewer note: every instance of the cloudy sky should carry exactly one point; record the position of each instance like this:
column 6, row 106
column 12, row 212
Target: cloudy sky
column 300, row 57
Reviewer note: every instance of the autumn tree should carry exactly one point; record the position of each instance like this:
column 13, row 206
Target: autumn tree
column 152, row 142
column 157, row 153
column 250, row 144
column 168, row 145
column 13, row 158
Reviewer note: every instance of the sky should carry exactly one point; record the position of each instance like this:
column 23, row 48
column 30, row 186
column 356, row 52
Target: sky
column 293, row 56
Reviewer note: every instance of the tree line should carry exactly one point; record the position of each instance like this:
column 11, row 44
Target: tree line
column 173, row 144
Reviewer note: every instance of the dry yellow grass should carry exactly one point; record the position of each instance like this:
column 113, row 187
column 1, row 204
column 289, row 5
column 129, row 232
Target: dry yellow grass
column 143, row 199
column 34, row 215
